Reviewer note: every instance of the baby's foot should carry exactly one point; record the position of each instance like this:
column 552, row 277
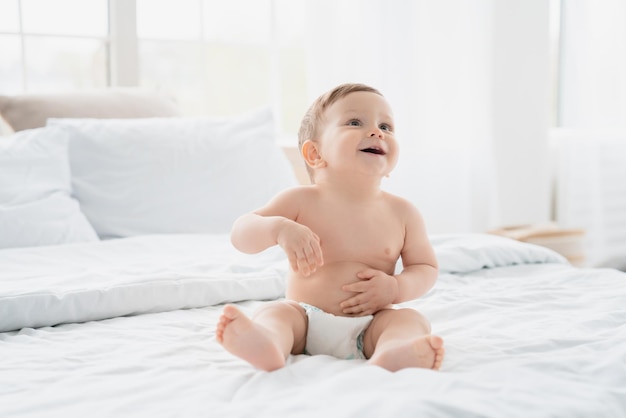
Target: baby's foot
column 247, row 340
column 426, row 352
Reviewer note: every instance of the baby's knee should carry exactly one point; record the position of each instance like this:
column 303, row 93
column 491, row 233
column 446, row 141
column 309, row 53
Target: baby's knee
column 409, row 315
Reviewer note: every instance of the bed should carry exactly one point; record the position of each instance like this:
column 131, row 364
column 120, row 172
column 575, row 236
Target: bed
column 115, row 263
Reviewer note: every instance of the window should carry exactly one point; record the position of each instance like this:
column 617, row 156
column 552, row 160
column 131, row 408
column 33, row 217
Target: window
column 214, row 64
column 225, row 57
column 45, row 48
column 215, row 57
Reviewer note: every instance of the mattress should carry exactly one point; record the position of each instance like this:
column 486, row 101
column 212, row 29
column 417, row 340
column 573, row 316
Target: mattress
column 126, row 327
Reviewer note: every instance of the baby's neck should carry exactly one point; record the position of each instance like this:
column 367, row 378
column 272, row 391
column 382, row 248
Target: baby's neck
column 350, row 187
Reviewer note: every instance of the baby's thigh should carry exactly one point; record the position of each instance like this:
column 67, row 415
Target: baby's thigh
column 288, row 318
column 400, row 321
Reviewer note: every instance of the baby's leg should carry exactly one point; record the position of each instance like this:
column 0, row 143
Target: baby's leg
column 400, row 338
column 265, row 340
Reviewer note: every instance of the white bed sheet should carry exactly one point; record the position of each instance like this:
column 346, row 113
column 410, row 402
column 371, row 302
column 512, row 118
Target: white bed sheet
column 526, row 335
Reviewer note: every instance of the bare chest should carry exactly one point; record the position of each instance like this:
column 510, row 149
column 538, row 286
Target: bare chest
column 374, row 237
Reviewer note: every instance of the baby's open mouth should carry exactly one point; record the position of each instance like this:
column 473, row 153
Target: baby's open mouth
column 374, row 150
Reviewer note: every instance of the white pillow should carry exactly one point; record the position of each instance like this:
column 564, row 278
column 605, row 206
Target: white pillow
column 36, row 207
column 173, row 175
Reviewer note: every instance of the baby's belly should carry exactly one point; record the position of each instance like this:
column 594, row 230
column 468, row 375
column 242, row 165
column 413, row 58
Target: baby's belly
column 323, row 288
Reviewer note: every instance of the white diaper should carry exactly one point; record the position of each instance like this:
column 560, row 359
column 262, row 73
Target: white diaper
column 338, row 336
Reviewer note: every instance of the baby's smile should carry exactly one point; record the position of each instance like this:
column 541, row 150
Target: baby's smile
column 374, row 150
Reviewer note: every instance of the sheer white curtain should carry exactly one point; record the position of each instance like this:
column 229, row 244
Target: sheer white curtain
column 592, row 147
column 433, row 61
column 593, row 64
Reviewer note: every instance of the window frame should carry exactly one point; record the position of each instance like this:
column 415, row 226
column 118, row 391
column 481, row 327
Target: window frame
column 23, row 35
column 123, row 56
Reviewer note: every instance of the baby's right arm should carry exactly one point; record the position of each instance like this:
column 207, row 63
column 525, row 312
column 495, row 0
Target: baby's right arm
column 274, row 224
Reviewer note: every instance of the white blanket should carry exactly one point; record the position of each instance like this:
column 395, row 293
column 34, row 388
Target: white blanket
column 526, row 335
column 155, row 273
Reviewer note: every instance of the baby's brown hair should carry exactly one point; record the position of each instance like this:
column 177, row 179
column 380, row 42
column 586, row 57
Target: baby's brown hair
column 313, row 117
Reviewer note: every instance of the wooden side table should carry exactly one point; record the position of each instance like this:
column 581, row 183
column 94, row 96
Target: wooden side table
column 566, row 241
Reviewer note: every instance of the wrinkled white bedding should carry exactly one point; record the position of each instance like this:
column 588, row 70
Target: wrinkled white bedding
column 526, row 335
column 153, row 273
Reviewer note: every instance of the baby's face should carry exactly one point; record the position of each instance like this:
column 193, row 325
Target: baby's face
column 358, row 135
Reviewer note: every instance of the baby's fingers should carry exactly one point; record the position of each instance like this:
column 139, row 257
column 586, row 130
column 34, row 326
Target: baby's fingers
column 311, row 258
column 354, row 306
column 347, row 304
column 306, row 263
column 301, row 266
column 317, row 252
column 356, row 287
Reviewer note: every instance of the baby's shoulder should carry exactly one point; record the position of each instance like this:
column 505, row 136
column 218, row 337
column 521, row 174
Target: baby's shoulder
column 397, row 201
column 287, row 203
column 297, row 194
column 400, row 205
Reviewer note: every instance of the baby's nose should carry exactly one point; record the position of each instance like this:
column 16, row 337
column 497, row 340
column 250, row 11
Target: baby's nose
column 377, row 132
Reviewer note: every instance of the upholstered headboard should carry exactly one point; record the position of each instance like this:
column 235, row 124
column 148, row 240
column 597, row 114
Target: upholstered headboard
column 32, row 110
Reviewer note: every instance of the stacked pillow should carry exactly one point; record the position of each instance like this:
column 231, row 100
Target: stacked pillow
column 80, row 179
column 36, row 206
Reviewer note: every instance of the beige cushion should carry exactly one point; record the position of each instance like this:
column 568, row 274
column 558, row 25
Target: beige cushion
column 30, row 111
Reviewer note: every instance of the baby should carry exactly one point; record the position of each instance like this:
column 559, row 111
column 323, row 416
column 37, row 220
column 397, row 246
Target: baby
column 343, row 236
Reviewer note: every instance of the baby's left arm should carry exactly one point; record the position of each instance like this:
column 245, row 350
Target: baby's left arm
column 418, row 259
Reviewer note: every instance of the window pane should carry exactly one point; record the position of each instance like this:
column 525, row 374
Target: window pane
column 10, row 65
column 207, row 79
column 9, row 19
column 168, row 19
column 237, row 20
column 55, row 64
column 176, row 68
column 68, row 17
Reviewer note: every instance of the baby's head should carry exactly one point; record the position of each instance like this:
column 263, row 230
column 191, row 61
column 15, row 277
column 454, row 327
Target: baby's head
column 313, row 119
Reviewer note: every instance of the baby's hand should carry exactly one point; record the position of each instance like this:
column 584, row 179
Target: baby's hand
column 302, row 247
column 376, row 290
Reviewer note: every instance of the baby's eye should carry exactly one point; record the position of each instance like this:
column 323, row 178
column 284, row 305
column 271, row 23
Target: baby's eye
column 354, row 122
column 386, row 127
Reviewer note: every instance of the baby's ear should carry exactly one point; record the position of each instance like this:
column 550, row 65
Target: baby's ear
column 311, row 154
